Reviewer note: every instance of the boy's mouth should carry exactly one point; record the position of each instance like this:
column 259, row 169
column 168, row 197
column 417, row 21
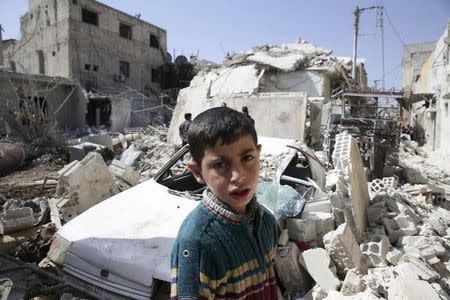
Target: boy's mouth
column 240, row 193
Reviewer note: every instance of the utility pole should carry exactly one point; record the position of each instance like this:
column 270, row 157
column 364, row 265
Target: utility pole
column 357, row 14
column 1, row 45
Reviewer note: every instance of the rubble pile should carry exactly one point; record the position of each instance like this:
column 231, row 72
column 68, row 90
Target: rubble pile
column 391, row 242
column 384, row 239
column 289, row 57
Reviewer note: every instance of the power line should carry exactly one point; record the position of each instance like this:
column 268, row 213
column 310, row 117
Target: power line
column 395, row 30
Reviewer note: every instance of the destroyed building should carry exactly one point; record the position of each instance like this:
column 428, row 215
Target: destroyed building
column 109, row 52
column 426, row 81
column 292, row 81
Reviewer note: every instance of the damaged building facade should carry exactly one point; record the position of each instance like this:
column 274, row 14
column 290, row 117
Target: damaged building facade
column 291, row 81
column 426, row 81
column 110, row 53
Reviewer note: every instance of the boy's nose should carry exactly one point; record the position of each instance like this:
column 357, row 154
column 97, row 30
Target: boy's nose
column 237, row 173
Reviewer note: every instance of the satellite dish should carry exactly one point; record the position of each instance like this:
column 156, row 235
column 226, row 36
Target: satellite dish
column 181, row 59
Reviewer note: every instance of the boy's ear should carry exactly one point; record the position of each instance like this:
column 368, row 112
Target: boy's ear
column 196, row 170
column 259, row 148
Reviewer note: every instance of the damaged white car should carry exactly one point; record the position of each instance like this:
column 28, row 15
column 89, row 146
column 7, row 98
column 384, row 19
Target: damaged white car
column 121, row 246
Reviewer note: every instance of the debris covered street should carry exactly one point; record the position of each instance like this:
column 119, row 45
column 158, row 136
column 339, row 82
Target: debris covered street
column 94, row 183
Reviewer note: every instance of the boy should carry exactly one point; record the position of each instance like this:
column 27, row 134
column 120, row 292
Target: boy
column 226, row 246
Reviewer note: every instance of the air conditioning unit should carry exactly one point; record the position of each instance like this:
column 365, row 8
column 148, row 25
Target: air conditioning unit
column 119, row 77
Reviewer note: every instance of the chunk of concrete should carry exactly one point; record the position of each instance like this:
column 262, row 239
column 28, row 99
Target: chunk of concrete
column 83, row 184
column 399, row 226
column 422, row 269
column 376, row 250
column 14, row 220
column 366, row 295
column 353, row 284
column 124, row 173
column 405, row 288
column 393, row 256
column 78, row 152
column 311, row 227
column 317, row 263
column 426, row 248
column 343, row 249
column 130, row 155
column 294, row 278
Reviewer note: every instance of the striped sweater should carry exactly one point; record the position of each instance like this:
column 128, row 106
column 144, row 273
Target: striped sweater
column 219, row 255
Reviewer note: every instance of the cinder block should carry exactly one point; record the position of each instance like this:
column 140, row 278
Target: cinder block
column 376, row 250
column 399, row 226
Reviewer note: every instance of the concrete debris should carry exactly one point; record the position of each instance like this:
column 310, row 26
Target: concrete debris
column 334, row 295
column 399, row 226
column 78, row 152
column 353, row 284
column 317, row 263
column 381, row 185
column 404, row 287
column 343, row 249
column 125, row 175
column 346, row 156
column 130, row 155
column 293, row 276
column 311, row 227
column 84, row 184
column 426, row 248
column 421, row 268
column 393, row 256
column 376, row 250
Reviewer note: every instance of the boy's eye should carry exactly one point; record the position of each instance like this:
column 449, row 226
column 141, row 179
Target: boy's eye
column 218, row 165
column 248, row 157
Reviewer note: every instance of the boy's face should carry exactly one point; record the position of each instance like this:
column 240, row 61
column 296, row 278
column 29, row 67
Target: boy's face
column 231, row 171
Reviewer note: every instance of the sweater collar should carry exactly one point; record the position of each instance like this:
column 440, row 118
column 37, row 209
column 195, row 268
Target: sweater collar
column 221, row 208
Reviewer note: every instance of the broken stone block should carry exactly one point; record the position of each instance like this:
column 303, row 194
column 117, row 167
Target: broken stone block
column 317, row 263
column 393, row 256
column 294, row 278
column 78, row 152
column 425, row 248
column 124, row 173
column 311, row 227
column 17, row 219
column 399, row 226
column 83, row 184
column 130, row 155
column 353, row 284
column 376, row 250
column 366, row 295
column 405, row 288
column 343, row 249
column 422, row 269
column 378, row 279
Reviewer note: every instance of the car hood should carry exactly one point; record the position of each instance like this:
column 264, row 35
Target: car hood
column 129, row 235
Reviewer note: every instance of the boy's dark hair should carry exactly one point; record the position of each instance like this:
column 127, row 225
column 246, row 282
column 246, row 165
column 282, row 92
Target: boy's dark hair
column 218, row 123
